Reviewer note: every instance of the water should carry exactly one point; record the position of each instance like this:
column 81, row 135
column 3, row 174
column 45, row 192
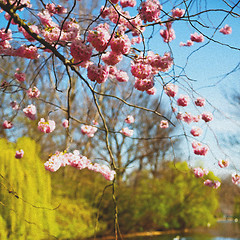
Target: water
column 224, row 230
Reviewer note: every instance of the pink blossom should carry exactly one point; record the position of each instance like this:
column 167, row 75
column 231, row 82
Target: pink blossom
column 200, row 102
column 236, row 178
column 213, row 184
column 183, row 100
column 179, row 116
column 128, row 3
column 122, row 76
column 99, row 37
column 141, row 69
column 33, row 92
column 80, row 51
column 7, row 124
column 14, row 105
column 162, row 64
column 187, row 117
column 223, row 163
column 226, row 30
column 135, row 25
column 88, row 130
column 189, row 43
column 30, row 111
column 127, row 132
column 196, row 131
column 195, row 37
column 168, row 34
column 170, row 89
column 129, row 119
column 103, row 169
column 5, row 35
column 98, row 73
column 199, row 172
column 65, row 123
column 112, row 58
column 19, row 75
column 29, row 52
column 144, row 84
column 177, row 13
column 199, row 149
column 164, row 124
column 207, row 116
column 33, row 28
column 151, row 91
column 136, row 40
column 54, row 162
column 150, row 10
column 19, row 154
column 53, row 9
column 196, row 118
column 46, row 126
column 121, row 44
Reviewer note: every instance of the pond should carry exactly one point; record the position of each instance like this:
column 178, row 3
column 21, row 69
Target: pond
column 223, row 230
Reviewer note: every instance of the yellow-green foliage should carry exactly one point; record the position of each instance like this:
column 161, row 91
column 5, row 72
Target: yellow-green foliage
column 25, row 191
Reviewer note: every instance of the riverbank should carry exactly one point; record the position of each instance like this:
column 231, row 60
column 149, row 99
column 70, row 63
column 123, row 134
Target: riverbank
column 225, row 229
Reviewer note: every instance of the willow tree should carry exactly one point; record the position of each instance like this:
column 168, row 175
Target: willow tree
column 26, row 211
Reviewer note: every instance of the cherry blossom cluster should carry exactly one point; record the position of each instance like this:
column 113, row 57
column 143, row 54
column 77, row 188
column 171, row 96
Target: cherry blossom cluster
column 19, row 154
column 88, row 130
column 62, row 159
column 46, row 126
column 199, row 148
column 213, row 184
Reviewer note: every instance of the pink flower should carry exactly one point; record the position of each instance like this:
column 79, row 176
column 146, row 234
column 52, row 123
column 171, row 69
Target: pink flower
column 213, row 184
column 179, row 116
column 177, row 13
column 98, row 73
column 19, row 154
column 236, row 178
column 195, row 37
column 19, row 75
column 129, row 119
column 151, row 91
column 127, row 132
column 150, row 10
column 226, row 30
column 164, row 124
column 103, row 169
column 223, row 163
column 46, row 126
column 189, row 43
column 65, row 123
column 141, row 69
column 196, row 131
column 33, row 92
column 14, row 105
column 183, row 100
column 170, row 89
column 99, row 37
column 54, row 162
column 199, row 149
column 168, row 34
column 207, row 116
column 144, row 84
column 112, row 58
column 199, row 172
column 196, row 118
column 122, row 76
column 33, row 28
column 30, row 112
column 7, row 125
column 128, row 3
column 121, row 44
column 187, row 117
column 88, row 130
column 80, row 51
column 200, row 102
